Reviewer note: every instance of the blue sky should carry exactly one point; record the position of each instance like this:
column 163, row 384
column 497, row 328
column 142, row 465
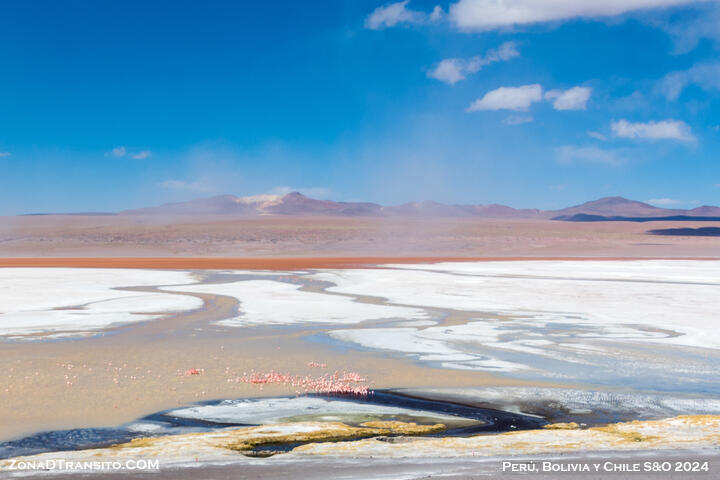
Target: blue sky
column 532, row 103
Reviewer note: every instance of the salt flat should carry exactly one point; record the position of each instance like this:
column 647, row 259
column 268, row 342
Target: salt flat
column 33, row 289
column 646, row 324
column 677, row 296
column 36, row 300
column 273, row 302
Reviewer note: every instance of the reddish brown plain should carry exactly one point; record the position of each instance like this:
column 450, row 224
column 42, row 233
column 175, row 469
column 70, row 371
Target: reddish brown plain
column 288, row 241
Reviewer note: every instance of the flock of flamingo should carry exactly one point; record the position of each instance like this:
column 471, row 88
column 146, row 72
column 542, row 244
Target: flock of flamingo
column 349, row 383
column 338, row 382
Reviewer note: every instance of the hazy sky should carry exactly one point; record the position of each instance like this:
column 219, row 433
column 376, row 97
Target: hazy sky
column 106, row 105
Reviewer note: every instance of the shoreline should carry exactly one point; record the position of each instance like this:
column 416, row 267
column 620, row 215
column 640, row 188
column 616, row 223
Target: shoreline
column 283, row 263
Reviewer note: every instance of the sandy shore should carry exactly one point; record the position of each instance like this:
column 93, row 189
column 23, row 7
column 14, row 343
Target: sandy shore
column 35, row 395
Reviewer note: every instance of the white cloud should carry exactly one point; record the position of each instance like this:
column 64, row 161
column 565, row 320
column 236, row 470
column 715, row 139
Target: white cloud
column 452, row 70
column 5, row 154
column 521, row 98
column 597, row 135
column 117, row 152
column 508, row 98
column 517, row 119
column 394, row 14
column 491, row 14
column 313, row 192
column 704, row 75
column 575, row 98
column 142, row 155
column 664, row 201
column 591, row 154
column 662, row 130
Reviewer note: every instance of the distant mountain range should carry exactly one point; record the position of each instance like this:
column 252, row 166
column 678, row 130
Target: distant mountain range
column 622, row 209
column 296, row 204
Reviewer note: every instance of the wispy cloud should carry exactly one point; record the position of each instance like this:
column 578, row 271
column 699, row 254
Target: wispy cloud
column 704, row 75
column 517, row 119
column 636, row 101
column 398, row 13
column 693, row 26
column 588, row 154
column 508, row 98
column 452, row 70
column 575, row 98
column 492, row 14
column 663, row 130
column 597, row 135
column 5, row 154
column 122, row 151
column 117, row 152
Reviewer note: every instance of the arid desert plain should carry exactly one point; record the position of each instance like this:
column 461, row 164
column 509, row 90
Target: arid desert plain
column 399, row 355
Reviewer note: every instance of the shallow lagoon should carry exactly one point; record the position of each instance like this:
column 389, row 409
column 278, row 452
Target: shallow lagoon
column 621, row 340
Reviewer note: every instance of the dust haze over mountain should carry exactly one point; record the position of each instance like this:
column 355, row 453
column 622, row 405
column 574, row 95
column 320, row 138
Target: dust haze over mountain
column 297, row 204
column 295, row 225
